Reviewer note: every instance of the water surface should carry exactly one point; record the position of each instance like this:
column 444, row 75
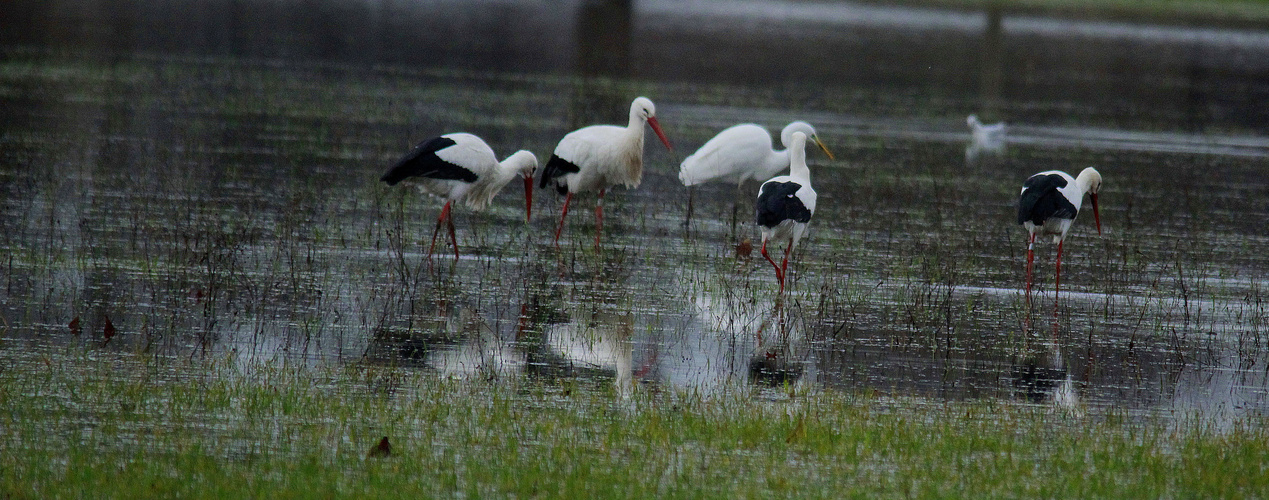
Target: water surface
column 209, row 183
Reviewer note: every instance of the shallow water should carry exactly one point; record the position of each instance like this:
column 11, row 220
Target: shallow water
column 218, row 195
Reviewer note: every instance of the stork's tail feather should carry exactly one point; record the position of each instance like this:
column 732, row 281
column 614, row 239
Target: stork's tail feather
column 422, row 161
column 1026, row 207
column 394, row 176
column 554, row 168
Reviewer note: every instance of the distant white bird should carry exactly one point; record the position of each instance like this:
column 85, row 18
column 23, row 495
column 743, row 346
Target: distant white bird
column 461, row 166
column 1048, row 204
column 597, row 157
column 985, row 139
column 785, row 205
column 740, row 153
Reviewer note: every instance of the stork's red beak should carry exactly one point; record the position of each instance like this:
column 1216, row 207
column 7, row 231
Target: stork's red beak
column 1097, row 218
column 656, row 127
column 528, row 198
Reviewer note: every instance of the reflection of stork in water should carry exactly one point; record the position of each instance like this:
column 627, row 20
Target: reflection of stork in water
column 481, row 350
column 462, row 344
column 598, row 341
column 1042, row 377
column 779, row 356
column 766, row 348
column 985, row 140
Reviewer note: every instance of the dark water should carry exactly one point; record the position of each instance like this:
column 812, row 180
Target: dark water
column 205, row 175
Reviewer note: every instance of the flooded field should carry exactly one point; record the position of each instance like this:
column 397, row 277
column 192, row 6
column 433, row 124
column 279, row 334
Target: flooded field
column 175, row 189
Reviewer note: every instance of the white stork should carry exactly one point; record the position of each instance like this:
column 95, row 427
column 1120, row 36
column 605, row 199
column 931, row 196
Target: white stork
column 597, row 157
column 786, row 204
column 461, row 166
column 1048, row 204
column 740, row 153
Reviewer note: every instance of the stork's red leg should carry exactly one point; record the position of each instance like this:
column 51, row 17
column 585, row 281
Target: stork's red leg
column 567, row 198
column 779, row 272
column 1030, row 260
column 785, row 264
column 599, row 217
column 439, row 221
column 449, row 218
column 1057, row 282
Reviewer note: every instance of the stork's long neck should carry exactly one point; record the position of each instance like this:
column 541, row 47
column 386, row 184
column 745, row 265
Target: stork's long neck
column 1084, row 181
column 634, row 130
column 507, row 170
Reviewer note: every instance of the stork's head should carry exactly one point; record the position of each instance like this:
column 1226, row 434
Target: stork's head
column 525, row 163
column 1090, row 181
column 643, row 108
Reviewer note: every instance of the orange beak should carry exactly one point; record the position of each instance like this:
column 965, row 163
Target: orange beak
column 528, row 198
column 1096, row 217
column 656, row 127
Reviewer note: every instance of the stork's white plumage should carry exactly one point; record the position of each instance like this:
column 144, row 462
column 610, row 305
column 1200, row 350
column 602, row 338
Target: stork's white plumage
column 1048, row 204
column 598, row 157
column 743, row 152
column 740, row 153
column 461, row 167
column 984, row 138
column 785, row 205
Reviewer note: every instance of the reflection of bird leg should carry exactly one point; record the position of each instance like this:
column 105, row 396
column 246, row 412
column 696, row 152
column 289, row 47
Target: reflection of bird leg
column 648, row 365
column 779, row 320
column 784, row 325
column 523, row 325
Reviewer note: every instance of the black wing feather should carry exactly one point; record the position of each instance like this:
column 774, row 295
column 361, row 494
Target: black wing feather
column 423, row 162
column 557, row 167
column 1041, row 200
column 778, row 202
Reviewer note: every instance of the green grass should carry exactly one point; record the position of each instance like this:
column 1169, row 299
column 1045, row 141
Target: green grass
column 87, row 423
